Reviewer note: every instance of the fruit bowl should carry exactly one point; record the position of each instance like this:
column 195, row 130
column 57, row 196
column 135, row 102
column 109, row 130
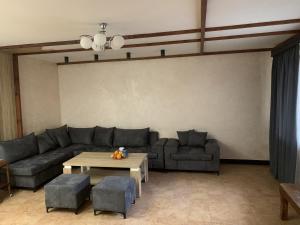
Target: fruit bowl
column 119, row 154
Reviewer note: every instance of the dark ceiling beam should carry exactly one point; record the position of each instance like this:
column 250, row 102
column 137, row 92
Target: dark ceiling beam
column 203, row 22
column 252, row 25
column 159, row 34
column 170, row 56
column 125, row 46
column 174, row 42
column 263, row 34
column 297, row 36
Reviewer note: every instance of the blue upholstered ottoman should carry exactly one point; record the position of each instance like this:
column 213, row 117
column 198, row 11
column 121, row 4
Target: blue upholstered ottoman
column 67, row 191
column 114, row 194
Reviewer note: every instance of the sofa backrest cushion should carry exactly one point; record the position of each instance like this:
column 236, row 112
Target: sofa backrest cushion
column 131, row 137
column 104, row 136
column 19, row 148
column 81, row 135
column 45, row 143
column 60, row 136
column 197, row 139
column 183, row 137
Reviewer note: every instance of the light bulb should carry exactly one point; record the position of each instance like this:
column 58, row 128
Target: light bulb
column 117, row 42
column 100, row 39
column 85, row 42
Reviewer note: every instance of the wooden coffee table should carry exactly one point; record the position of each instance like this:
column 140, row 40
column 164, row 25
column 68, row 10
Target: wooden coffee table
column 289, row 193
column 137, row 163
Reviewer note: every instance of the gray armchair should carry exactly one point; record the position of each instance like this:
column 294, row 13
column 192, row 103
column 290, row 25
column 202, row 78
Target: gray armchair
column 178, row 157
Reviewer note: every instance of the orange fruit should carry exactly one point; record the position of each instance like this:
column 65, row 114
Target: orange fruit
column 119, row 156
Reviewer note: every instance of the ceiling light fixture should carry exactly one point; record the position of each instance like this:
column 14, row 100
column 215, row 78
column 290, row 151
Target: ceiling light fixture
column 99, row 42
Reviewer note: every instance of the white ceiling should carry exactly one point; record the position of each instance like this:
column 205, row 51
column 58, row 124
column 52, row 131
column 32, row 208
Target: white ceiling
column 33, row 21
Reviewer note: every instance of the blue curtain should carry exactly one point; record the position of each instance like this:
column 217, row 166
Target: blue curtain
column 283, row 115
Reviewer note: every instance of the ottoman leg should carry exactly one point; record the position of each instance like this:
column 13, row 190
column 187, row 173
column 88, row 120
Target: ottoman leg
column 95, row 212
column 47, row 209
column 76, row 211
column 124, row 215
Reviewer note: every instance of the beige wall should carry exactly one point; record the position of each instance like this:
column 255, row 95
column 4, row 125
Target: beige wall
column 226, row 95
column 39, row 94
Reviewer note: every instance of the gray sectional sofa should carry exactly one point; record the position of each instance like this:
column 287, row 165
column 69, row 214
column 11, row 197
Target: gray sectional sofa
column 35, row 160
column 192, row 151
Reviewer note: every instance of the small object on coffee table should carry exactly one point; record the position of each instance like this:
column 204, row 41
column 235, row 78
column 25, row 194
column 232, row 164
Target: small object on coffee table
column 5, row 184
column 289, row 193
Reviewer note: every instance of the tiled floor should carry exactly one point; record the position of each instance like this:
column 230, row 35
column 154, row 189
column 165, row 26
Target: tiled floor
column 241, row 195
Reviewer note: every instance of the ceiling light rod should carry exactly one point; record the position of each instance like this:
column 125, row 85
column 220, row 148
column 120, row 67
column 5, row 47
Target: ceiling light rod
column 99, row 41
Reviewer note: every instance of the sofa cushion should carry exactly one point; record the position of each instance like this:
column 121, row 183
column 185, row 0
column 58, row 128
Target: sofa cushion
column 197, row 139
column 191, row 154
column 60, row 136
column 144, row 149
column 103, row 136
column 81, row 135
column 45, row 143
column 18, row 149
column 131, row 137
column 38, row 163
column 183, row 137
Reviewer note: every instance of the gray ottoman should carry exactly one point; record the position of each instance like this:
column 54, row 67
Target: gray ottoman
column 114, row 194
column 67, row 191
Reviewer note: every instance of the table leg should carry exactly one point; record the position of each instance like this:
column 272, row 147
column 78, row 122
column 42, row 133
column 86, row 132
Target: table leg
column 67, row 170
column 83, row 169
column 146, row 172
column 137, row 175
column 283, row 208
column 8, row 181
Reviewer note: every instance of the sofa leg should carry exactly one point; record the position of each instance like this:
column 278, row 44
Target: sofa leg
column 47, row 209
column 124, row 215
column 218, row 173
column 76, row 211
column 133, row 201
column 95, row 212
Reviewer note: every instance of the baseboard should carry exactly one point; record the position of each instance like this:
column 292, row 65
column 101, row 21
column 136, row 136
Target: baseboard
column 245, row 161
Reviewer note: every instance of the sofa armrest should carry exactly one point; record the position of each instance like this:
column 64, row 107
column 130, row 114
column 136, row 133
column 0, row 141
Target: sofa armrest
column 212, row 147
column 158, row 146
column 160, row 143
column 171, row 146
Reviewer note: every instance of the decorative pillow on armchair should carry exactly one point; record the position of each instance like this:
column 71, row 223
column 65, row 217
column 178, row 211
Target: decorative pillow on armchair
column 60, row 136
column 183, row 137
column 197, row 139
column 131, row 137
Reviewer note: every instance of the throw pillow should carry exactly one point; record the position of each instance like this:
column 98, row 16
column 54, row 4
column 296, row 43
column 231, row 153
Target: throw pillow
column 183, row 137
column 60, row 136
column 131, row 137
column 81, row 135
column 103, row 136
column 20, row 148
column 197, row 139
column 45, row 143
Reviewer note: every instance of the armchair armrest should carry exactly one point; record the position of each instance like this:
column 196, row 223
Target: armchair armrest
column 171, row 146
column 160, row 143
column 212, row 147
column 158, row 146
